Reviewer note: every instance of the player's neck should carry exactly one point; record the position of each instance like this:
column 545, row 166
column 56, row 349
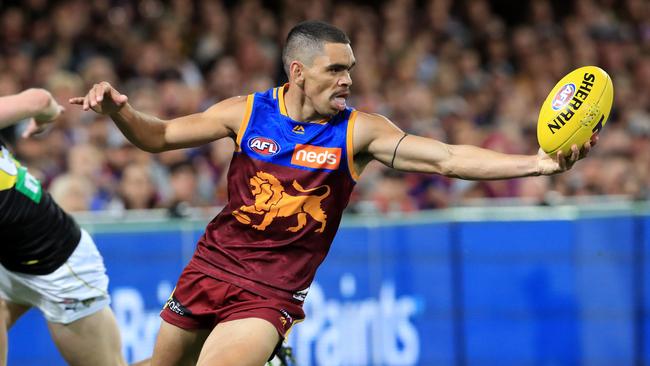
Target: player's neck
column 299, row 107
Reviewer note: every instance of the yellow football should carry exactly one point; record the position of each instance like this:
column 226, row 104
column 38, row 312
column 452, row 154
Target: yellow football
column 576, row 109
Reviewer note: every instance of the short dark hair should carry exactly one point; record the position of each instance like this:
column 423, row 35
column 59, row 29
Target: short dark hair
column 306, row 39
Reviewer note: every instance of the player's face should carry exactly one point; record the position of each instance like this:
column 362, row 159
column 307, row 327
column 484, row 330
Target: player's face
column 327, row 80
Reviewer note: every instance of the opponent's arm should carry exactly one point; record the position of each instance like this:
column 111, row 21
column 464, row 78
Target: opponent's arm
column 380, row 139
column 153, row 134
column 34, row 103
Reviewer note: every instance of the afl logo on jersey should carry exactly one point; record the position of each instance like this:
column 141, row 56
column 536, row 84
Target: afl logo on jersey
column 264, row 146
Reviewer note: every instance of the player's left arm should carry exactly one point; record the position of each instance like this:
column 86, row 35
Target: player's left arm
column 379, row 139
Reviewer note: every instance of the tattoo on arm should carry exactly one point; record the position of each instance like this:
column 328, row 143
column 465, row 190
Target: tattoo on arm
column 392, row 162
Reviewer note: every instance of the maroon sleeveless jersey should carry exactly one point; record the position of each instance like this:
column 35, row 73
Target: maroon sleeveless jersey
column 288, row 185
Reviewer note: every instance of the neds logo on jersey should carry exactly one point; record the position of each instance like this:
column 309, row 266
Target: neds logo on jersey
column 316, row 156
column 563, row 96
column 264, row 146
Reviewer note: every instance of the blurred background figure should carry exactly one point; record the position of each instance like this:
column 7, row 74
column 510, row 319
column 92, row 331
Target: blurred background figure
column 72, row 192
column 136, row 190
column 184, row 189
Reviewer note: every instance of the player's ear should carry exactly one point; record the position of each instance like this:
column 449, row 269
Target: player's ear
column 297, row 70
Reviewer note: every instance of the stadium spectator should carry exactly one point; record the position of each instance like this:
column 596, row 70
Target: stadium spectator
column 184, row 189
column 136, row 189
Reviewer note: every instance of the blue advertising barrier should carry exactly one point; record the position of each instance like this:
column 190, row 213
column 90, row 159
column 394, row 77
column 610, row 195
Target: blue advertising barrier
column 518, row 287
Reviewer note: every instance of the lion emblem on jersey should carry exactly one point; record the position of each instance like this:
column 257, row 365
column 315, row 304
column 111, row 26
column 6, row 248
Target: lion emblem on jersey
column 271, row 200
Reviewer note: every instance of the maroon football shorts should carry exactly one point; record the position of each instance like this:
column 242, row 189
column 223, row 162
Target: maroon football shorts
column 201, row 302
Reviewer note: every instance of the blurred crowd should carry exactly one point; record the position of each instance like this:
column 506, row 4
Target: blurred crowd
column 458, row 71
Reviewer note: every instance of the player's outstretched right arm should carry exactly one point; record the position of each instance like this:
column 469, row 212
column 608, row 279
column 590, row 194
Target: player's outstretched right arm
column 153, row 134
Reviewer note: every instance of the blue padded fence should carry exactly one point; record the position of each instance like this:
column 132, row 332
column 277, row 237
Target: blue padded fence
column 521, row 286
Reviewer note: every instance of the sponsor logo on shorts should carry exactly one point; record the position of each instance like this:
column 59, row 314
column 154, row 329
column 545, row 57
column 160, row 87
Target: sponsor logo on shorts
column 175, row 306
column 301, row 295
column 264, row 146
column 563, row 96
column 317, row 157
column 285, row 318
column 76, row 304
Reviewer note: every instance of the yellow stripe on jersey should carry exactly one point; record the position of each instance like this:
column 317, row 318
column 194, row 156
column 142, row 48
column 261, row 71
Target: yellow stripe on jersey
column 350, row 146
column 283, row 108
column 6, row 181
column 244, row 123
column 8, row 169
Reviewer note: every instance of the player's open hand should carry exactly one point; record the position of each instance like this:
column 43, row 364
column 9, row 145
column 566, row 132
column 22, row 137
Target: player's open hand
column 102, row 98
column 558, row 162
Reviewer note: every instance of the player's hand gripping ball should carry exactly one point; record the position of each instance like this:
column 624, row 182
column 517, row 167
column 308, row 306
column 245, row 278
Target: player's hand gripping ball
column 575, row 110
